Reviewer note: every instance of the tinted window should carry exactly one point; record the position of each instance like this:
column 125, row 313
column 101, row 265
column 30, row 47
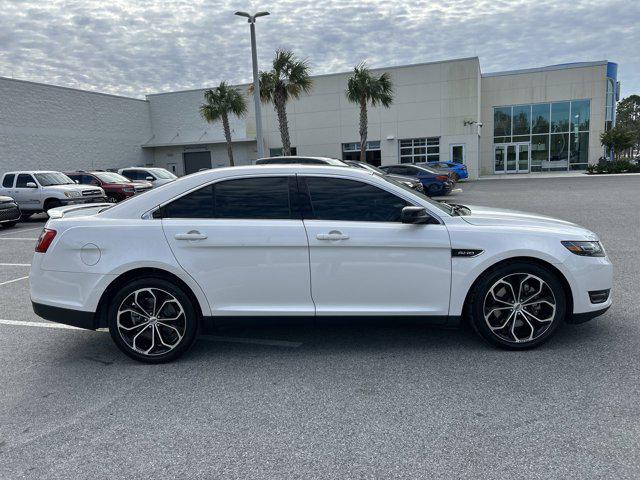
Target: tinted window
column 256, row 198
column 136, row 174
column 198, row 204
column 7, row 181
column 350, row 200
column 23, row 179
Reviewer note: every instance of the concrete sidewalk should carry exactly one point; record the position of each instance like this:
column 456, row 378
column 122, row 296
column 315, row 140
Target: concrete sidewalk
column 538, row 175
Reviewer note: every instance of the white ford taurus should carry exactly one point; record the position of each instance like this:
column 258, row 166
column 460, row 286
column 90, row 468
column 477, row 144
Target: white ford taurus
column 309, row 241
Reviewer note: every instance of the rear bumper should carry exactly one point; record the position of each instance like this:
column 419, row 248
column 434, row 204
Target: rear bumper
column 67, row 316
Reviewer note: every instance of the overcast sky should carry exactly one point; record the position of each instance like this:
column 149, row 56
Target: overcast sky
column 134, row 47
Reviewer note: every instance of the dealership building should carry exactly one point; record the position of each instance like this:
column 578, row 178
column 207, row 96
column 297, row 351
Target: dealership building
column 546, row 119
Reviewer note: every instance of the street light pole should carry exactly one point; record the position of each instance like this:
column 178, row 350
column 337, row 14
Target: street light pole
column 251, row 19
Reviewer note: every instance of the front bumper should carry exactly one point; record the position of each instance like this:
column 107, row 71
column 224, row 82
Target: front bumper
column 83, row 200
column 67, row 316
column 10, row 214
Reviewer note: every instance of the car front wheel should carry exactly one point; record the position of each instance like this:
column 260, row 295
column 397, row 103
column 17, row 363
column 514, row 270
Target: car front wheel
column 517, row 306
column 152, row 320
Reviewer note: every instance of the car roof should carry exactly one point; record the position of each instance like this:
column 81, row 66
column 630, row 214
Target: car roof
column 34, row 171
column 302, row 158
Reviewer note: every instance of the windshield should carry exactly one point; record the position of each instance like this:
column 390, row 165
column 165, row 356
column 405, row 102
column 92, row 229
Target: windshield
column 439, row 205
column 162, row 173
column 53, row 178
column 424, row 167
column 110, row 177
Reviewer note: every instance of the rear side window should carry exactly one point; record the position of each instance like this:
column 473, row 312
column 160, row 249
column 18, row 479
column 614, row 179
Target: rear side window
column 250, row 198
column 23, row 179
column 350, row 200
column 136, row 174
column 7, row 181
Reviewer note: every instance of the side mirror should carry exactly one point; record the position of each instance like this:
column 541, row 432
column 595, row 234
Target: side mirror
column 31, row 185
column 77, row 181
column 150, row 179
column 415, row 215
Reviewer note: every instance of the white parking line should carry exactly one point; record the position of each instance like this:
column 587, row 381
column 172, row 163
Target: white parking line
column 15, row 264
column 21, row 230
column 38, row 324
column 214, row 338
column 14, row 280
column 19, row 238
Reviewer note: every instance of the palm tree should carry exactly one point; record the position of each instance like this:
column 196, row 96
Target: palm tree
column 222, row 101
column 362, row 88
column 288, row 79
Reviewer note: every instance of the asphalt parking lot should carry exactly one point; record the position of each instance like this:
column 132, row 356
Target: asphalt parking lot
column 336, row 401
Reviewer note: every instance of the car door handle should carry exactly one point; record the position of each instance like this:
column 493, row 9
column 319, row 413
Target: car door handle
column 192, row 235
column 332, row 235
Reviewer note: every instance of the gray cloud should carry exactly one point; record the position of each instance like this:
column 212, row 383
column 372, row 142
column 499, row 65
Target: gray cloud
column 133, row 47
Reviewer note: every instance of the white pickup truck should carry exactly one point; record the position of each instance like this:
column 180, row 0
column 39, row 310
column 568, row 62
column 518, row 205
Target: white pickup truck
column 39, row 191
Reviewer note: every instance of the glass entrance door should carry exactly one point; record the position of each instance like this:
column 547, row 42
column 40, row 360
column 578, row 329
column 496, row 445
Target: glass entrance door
column 511, row 158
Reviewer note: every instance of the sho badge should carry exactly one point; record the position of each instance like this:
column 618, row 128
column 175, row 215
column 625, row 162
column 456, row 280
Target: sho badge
column 465, row 252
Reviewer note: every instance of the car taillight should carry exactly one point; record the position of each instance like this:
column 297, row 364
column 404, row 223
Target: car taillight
column 442, row 178
column 46, row 237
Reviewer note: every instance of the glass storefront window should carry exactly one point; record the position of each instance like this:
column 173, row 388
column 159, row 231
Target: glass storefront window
column 540, row 118
column 580, row 115
column 579, row 148
column 521, row 120
column 558, row 134
column 501, row 121
column 559, row 151
column 560, row 117
column 539, row 152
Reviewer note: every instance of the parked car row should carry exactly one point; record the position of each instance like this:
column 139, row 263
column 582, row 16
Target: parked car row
column 24, row 193
column 431, row 178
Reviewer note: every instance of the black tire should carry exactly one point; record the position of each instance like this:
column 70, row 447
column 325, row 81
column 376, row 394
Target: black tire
column 112, row 199
column 25, row 216
column 528, row 276
column 186, row 324
column 51, row 203
column 9, row 224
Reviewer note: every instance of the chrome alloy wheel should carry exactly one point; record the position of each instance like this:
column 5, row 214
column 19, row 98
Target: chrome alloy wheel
column 519, row 307
column 151, row 321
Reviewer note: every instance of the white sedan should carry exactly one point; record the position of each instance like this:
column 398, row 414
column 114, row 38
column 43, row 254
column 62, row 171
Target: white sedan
column 296, row 240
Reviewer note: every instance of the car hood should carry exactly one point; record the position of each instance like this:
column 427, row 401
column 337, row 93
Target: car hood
column 72, row 187
column 486, row 216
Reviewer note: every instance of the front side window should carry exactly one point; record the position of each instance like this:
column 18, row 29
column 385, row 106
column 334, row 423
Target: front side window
column 23, row 179
column 248, row 198
column 7, row 181
column 351, row 200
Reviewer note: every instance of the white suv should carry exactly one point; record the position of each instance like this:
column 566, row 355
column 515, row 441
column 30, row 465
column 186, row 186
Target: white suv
column 309, row 241
column 39, row 191
column 157, row 176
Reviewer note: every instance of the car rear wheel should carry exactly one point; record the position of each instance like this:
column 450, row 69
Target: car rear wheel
column 517, row 306
column 152, row 320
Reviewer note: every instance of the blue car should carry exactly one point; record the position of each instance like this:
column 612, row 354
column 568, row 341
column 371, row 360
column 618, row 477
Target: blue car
column 435, row 183
column 459, row 170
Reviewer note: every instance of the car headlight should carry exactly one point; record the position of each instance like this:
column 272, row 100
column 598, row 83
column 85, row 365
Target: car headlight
column 585, row 249
column 72, row 194
column 128, row 190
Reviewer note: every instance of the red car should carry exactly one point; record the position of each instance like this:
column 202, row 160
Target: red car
column 115, row 186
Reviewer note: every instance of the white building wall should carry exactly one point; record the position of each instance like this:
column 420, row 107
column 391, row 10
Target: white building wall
column 49, row 127
column 430, row 100
column 545, row 85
